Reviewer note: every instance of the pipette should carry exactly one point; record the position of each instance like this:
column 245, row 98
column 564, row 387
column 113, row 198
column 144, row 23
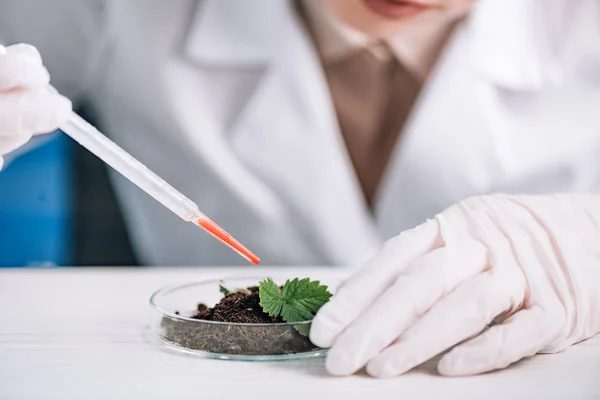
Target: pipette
column 109, row 152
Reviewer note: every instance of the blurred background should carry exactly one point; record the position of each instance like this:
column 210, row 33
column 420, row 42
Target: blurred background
column 58, row 217
column 37, row 219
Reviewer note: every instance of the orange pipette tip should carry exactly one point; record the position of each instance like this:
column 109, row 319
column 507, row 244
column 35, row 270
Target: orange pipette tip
column 226, row 238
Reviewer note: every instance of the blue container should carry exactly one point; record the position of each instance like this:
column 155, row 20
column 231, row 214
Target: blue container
column 36, row 206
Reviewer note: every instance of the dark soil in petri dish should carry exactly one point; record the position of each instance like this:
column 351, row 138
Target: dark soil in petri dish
column 237, row 307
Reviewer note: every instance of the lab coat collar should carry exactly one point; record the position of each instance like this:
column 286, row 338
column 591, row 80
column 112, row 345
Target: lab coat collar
column 235, row 32
column 519, row 44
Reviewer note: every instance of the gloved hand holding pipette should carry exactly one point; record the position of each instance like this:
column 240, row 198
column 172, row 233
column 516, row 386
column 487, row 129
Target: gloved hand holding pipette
column 29, row 105
column 26, row 106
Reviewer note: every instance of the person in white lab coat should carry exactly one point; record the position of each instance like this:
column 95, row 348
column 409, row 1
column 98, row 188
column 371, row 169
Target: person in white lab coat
column 243, row 107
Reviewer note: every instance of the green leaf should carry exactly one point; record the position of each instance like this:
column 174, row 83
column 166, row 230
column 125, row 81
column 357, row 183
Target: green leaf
column 223, row 288
column 271, row 298
column 303, row 329
column 299, row 300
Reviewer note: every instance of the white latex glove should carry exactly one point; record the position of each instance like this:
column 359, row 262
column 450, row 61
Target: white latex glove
column 26, row 107
column 529, row 264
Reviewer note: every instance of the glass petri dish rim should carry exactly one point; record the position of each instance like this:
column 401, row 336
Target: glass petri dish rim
column 177, row 286
column 317, row 353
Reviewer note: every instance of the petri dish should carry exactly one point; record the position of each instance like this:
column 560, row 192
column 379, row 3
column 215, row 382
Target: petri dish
column 171, row 323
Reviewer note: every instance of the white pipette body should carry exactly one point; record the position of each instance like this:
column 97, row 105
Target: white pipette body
column 109, row 152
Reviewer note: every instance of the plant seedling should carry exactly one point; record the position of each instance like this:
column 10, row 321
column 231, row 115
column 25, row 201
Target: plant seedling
column 296, row 301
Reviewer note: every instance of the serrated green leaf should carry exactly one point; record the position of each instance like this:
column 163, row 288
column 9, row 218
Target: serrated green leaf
column 271, row 298
column 298, row 301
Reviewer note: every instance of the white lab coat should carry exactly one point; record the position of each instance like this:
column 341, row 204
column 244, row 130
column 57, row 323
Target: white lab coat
column 226, row 100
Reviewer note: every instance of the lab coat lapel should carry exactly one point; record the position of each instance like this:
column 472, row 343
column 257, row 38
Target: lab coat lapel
column 441, row 157
column 286, row 133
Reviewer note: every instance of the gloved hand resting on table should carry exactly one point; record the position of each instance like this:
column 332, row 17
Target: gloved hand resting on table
column 26, row 107
column 528, row 266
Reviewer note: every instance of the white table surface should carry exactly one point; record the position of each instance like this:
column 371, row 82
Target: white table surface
column 80, row 334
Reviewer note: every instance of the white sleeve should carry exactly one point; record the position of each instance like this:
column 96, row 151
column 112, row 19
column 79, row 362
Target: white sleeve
column 70, row 35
